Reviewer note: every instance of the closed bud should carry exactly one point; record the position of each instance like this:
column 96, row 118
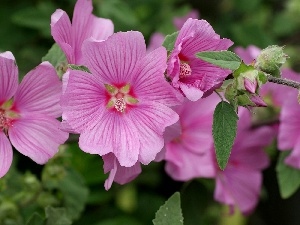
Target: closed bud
column 271, row 59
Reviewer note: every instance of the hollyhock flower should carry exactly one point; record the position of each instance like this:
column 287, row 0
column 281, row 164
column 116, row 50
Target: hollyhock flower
column 84, row 25
column 156, row 40
column 123, row 106
column 188, row 142
column 192, row 76
column 119, row 174
column 28, row 112
column 240, row 183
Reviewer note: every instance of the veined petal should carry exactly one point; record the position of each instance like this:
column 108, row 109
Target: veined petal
column 150, row 84
column 6, row 154
column 37, row 137
column 115, row 59
column 84, row 100
column 61, row 31
column 39, row 92
column 115, row 133
column 192, row 93
column 151, row 120
column 8, row 76
column 119, row 174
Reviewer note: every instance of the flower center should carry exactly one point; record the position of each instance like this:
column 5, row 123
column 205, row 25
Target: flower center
column 7, row 116
column 185, row 70
column 119, row 97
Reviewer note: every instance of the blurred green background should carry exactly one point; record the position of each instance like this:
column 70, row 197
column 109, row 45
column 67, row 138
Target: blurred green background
column 74, row 180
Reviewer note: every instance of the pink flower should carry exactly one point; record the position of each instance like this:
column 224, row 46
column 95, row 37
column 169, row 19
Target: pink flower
column 188, row 142
column 119, row 174
column 156, row 40
column 248, row 54
column 240, row 183
column 28, row 112
column 192, row 76
column 84, row 25
column 123, row 106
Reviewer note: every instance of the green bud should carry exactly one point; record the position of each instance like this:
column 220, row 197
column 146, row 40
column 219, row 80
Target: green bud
column 271, row 59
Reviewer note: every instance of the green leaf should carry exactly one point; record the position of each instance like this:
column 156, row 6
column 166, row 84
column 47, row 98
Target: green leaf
column 170, row 41
column 223, row 59
column 36, row 219
column 288, row 177
column 224, row 131
column 169, row 213
column 57, row 58
column 57, row 216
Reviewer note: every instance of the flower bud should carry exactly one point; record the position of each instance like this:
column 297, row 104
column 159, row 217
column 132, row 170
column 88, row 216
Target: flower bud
column 271, row 59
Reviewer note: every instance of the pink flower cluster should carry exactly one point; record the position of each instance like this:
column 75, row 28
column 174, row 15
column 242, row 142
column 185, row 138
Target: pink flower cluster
column 127, row 112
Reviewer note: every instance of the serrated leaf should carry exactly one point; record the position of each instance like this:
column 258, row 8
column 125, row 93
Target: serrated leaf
column 169, row 213
column 223, row 59
column 170, row 41
column 224, row 131
column 57, row 216
column 287, row 176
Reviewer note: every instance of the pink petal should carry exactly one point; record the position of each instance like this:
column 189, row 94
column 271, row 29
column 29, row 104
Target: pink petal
column 156, row 40
column 184, row 165
column 37, row 137
column 39, row 92
column 6, row 154
column 102, row 28
column 61, row 31
column 112, row 133
column 151, row 120
column 248, row 54
column 84, row 100
column 179, row 21
column 149, row 83
column 115, row 65
column 294, row 158
column 239, row 187
column 289, row 123
column 8, row 76
column 192, row 93
column 119, row 174
column 250, row 85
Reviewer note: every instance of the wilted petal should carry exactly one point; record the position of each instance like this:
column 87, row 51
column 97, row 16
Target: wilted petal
column 6, row 154
column 8, row 76
column 37, row 137
column 39, row 92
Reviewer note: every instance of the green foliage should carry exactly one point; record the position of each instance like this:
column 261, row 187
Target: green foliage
column 169, row 41
column 57, row 216
column 223, row 59
column 288, row 177
column 169, row 213
column 80, row 67
column 224, row 131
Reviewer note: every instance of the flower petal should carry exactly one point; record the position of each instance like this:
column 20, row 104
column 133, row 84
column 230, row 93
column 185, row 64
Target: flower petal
column 119, row 174
column 112, row 133
column 115, row 59
column 192, row 93
column 6, row 154
column 37, row 137
column 294, row 158
column 8, row 76
column 102, row 28
column 39, row 92
column 83, row 101
column 61, row 31
column 151, row 121
column 150, row 84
